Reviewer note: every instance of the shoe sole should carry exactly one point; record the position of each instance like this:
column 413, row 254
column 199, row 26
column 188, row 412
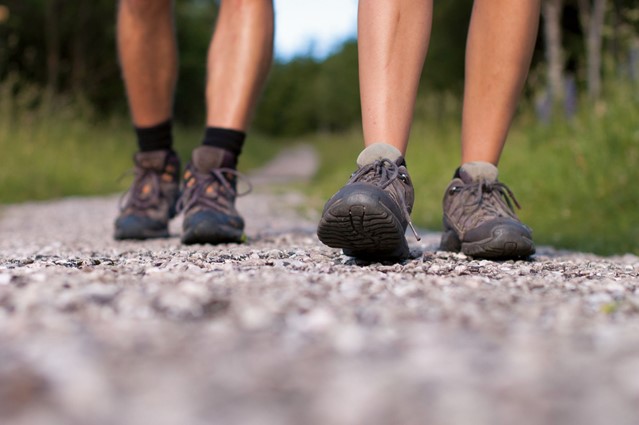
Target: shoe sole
column 505, row 243
column 205, row 234
column 363, row 227
column 140, row 234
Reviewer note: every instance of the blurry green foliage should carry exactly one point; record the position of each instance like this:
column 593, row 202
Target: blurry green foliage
column 68, row 47
column 308, row 95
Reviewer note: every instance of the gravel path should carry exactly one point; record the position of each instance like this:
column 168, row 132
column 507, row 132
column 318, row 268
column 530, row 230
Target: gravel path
column 283, row 330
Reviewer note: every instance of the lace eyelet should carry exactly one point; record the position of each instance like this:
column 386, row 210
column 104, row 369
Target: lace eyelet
column 454, row 190
column 403, row 177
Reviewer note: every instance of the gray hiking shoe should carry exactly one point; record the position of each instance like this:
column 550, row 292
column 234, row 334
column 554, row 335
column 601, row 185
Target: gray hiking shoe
column 368, row 217
column 148, row 205
column 479, row 218
column 208, row 200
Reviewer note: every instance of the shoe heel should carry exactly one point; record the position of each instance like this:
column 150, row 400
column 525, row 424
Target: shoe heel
column 505, row 242
column 450, row 241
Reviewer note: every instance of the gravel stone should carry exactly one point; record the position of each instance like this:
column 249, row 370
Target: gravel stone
column 283, row 330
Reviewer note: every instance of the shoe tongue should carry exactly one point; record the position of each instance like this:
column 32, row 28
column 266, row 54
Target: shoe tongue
column 376, row 152
column 152, row 160
column 205, row 158
column 474, row 171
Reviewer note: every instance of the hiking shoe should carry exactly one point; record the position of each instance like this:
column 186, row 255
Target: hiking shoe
column 208, row 200
column 479, row 218
column 368, row 217
column 145, row 209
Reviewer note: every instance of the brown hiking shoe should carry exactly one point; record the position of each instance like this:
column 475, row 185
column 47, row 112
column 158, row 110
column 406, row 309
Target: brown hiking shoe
column 208, row 200
column 148, row 205
column 479, row 218
column 368, row 217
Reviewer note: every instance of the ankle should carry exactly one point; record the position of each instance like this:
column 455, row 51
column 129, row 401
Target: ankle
column 155, row 138
column 229, row 140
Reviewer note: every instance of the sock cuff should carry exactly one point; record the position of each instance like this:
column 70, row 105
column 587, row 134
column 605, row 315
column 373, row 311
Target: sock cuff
column 225, row 138
column 156, row 137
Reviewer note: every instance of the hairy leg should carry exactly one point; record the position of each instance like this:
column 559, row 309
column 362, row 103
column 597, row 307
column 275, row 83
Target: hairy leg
column 393, row 40
column 501, row 39
column 148, row 57
column 239, row 58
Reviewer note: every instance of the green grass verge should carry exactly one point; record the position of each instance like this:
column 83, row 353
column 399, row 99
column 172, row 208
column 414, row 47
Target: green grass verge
column 576, row 181
column 59, row 150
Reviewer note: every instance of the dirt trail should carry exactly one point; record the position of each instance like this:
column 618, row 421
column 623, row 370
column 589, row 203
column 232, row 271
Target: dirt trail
column 283, row 330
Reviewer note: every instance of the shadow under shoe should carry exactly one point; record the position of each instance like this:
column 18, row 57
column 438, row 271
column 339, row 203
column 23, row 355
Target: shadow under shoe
column 479, row 217
column 149, row 204
column 208, row 200
column 367, row 218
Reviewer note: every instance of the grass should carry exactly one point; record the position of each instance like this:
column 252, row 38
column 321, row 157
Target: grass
column 59, row 149
column 576, row 180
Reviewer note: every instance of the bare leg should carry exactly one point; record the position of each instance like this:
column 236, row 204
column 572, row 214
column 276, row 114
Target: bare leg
column 368, row 217
column 500, row 43
column 148, row 56
column 393, row 39
column 239, row 58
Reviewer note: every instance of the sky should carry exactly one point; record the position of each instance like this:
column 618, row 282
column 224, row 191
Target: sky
column 313, row 26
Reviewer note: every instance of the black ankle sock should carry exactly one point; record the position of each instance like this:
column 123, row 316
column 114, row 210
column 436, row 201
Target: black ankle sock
column 230, row 140
column 155, row 138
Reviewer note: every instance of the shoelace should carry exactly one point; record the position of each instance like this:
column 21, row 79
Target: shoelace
column 496, row 190
column 382, row 173
column 132, row 198
column 197, row 194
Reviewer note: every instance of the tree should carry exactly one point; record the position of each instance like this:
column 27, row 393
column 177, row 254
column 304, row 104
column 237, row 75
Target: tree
column 592, row 14
column 52, row 38
column 552, row 10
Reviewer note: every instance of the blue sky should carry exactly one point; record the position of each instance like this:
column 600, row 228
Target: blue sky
column 313, row 26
